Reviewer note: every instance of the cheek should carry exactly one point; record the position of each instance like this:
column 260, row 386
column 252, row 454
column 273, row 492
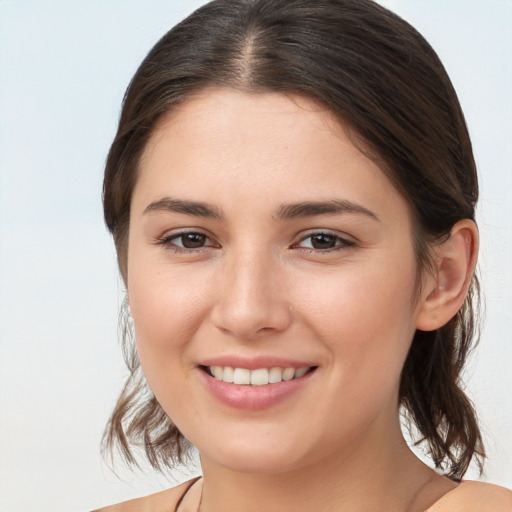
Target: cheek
column 167, row 309
column 366, row 319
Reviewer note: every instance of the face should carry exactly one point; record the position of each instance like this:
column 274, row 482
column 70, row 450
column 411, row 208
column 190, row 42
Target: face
column 271, row 277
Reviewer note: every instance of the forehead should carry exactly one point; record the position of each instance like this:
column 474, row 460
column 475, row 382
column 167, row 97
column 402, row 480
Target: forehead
column 228, row 145
column 241, row 116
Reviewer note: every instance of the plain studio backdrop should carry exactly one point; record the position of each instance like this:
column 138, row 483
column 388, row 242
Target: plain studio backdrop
column 64, row 66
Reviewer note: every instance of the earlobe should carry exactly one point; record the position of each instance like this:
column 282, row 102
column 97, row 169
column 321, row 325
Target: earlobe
column 445, row 291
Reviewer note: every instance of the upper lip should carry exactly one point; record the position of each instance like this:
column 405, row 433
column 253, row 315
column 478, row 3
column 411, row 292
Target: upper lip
column 254, row 363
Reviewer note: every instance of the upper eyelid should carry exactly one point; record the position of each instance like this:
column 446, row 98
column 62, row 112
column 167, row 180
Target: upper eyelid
column 183, row 231
column 172, row 235
column 328, row 232
column 339, row 241
column 168, row 237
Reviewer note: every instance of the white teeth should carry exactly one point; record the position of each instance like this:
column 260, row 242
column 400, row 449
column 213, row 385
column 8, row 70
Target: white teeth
column 299, row 372
column 228, row 374
column 241, row 376
column 259, row 377
column 288, row 373
column 217, row 371
column 275, row 375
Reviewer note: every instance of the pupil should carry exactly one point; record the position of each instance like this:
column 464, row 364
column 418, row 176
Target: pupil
column 193, row 240
column 323, row 241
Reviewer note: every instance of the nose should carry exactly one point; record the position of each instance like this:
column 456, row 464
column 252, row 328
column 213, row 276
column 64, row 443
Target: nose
column 251, row 299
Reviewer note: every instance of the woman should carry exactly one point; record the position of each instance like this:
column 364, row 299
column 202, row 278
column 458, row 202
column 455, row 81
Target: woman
column 291, row 192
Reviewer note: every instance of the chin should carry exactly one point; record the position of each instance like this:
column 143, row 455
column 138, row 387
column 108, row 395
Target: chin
column 260, row 465
column 254, row 458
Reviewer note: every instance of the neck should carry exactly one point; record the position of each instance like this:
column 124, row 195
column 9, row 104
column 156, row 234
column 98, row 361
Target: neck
column 375, row 473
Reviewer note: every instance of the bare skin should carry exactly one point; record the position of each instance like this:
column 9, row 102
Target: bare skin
column 467, row 497
column 333, row 290
column 360, row 485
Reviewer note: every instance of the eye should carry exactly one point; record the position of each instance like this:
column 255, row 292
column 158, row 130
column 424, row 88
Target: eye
column 188, row 240
column 324, row 242
column 191, row 240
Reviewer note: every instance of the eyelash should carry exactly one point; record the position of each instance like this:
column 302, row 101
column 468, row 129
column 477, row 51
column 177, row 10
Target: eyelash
column 341, row 243
column 168, row 241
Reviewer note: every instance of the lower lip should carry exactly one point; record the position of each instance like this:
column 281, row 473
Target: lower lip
column 253, row 398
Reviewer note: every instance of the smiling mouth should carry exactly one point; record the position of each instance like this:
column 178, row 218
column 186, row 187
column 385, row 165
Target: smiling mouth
column 259, row 377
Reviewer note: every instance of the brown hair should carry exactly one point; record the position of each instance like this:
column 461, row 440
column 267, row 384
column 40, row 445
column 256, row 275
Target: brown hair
column 379, row 76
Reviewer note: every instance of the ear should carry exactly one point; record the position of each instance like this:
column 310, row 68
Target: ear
column 444, row 291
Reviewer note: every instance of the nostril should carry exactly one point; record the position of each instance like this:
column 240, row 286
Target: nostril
column 251, row 323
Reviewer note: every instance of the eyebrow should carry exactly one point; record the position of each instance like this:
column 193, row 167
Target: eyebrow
column 311, row 209
column 286, row 211
column 196, row 208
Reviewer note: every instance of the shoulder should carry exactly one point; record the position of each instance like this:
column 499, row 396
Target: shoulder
column 163, row 501
column 472, row 496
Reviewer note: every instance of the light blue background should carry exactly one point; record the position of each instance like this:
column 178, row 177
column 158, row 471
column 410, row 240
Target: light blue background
column 64, row 66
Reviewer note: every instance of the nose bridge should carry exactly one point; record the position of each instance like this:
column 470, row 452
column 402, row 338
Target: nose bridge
column 251, row 300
